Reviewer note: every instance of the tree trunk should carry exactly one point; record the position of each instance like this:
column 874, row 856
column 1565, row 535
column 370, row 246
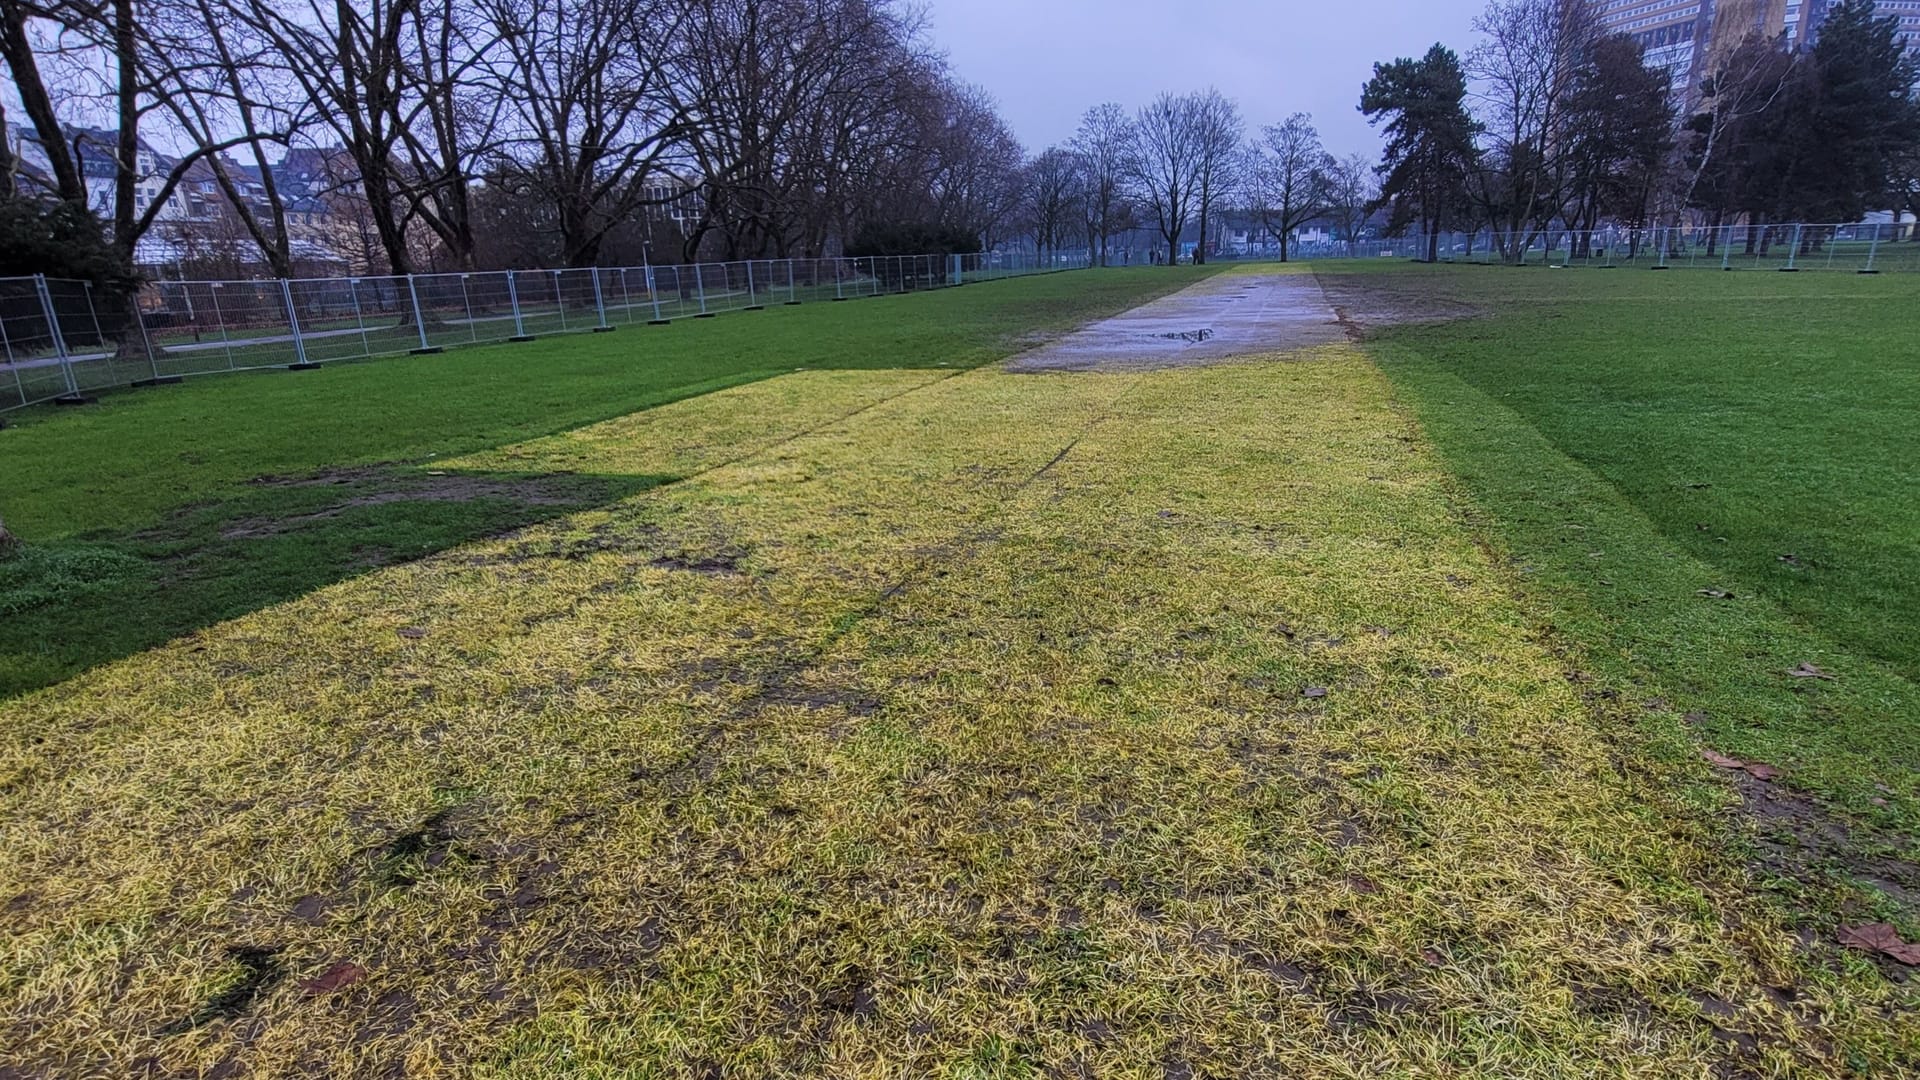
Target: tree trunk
column 127, row 150
column 23, row 65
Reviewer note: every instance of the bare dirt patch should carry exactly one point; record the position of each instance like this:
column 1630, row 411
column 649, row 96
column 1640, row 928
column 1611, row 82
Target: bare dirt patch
column 378, row 487
column 1364, row 302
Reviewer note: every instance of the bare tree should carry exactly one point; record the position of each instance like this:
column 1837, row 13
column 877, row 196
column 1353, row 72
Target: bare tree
column 975, row 165
column 1288, row 178
column 107, row 64
column 1523, row 74
column 23, row 64
column 1751, row 79
column 388, row 78
column 1053, row 198
column 593, row 114
column 1104, row 143
column 1165, row 164
column 800, row 120
column 1350, row 196
column 213, row 77
column 806, row 107
column 1218, row 132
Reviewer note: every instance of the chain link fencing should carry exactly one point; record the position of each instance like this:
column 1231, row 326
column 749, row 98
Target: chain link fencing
column 61, row 340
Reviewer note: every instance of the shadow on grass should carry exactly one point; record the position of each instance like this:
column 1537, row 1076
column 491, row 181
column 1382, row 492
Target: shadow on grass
column 68, row 605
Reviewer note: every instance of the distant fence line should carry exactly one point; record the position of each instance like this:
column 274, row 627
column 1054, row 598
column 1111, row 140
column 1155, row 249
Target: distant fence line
column 1859, row 248
column 64, row 339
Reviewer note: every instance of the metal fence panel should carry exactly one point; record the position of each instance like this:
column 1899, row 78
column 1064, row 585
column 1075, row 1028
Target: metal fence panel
column 64, row 339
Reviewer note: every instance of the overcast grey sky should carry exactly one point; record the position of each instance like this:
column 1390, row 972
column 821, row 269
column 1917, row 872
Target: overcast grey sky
column 1047, row 61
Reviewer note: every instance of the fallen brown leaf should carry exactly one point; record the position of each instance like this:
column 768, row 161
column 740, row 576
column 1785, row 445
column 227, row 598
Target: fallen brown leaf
column 1315, row 692
column 1722, row 761
column 1755, row 769
column 412, row 633
column 1880, row 938
column 1716, row 594
column 1808, row 671
column 339, row 976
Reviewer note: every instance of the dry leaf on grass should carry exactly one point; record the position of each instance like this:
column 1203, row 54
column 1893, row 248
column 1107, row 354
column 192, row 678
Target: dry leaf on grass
column 1755, row 769
column 1808, row 671
column 1880, row 938
column 337, row 977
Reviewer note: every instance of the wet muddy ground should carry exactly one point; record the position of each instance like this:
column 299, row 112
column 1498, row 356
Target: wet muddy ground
column 1237, row 315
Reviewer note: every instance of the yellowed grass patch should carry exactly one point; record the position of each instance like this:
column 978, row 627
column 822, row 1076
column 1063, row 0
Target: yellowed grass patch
column 1150, row 725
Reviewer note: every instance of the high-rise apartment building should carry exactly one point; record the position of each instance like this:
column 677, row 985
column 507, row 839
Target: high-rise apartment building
column 1686, row 36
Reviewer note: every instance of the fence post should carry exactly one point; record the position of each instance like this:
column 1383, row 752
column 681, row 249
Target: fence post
column 94, row 314
column 653, row 293
column 1726, row 249
column 359, row 318
column 599, row 302
column 1793, row 253
column 466, row 300
column 59, row 340
column 419, row 321
column 513, row 298
column 840, row 280
column 293, row 323
column 6, row 343
column 793, row 286
column 700, row 287
column 560, row 301
column 226, row 343
column 1873, row 252
column 99, row 335
column 146, row 342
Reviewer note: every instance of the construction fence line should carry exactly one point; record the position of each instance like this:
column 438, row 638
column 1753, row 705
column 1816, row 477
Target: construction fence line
column 64, row 340
column 1854, row 248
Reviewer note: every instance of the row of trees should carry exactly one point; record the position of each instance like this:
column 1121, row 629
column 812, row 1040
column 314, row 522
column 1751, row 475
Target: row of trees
column 447, row 125
column 1552, row 121
column 1180, row 163
column 1816, row 135
column 469, row 133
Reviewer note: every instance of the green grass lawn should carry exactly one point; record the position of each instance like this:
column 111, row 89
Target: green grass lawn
column 163, row 510
column 1132, row 724
column 1337, row 712
column 1642, row 443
